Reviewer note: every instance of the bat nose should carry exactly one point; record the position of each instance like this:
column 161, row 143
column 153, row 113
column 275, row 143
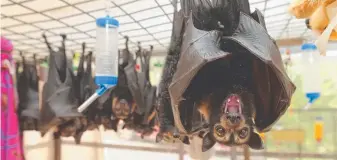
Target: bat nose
column 234, row 119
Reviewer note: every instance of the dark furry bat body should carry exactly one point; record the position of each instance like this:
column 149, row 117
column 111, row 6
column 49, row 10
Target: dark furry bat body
column 28, row 92
column 122, row 102
column 164, row 110
column 85, row 87
column 59, row 100
column 136, row 113
column 228, row 68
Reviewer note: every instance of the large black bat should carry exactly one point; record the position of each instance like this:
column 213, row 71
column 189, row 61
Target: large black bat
column 123, row 103
column 136, row 113
column 104, row 104
column 229, row 69
column 139, row 81
column 85, row 87
column 59, row 101
column 88, row 88
column 28, row 91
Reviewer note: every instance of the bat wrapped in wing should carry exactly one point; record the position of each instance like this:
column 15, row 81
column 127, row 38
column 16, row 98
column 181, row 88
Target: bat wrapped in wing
column 28, row 92
column 230, row 69
column 59, row 102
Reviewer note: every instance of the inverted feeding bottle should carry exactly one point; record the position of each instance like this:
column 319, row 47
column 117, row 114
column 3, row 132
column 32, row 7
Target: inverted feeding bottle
column 106, row 70
column 311, row 73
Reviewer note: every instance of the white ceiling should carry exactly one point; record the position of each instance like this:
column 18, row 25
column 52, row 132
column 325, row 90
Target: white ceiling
column 147, row 21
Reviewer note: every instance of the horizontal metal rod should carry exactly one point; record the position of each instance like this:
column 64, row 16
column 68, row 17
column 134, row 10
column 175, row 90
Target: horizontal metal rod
column 173, row 149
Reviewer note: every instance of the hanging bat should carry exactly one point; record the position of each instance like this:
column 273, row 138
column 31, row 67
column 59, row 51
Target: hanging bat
column 59, row 102
column 229, row 69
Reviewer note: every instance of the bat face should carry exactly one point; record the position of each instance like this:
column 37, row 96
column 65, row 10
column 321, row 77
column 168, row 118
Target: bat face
column 70, row 126
column 235, row 125
column 68, row 131
column 121, row 108
column 232, row 128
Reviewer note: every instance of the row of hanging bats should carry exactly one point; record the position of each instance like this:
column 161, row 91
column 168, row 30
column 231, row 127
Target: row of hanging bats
column 223, row 81
column 64, row 91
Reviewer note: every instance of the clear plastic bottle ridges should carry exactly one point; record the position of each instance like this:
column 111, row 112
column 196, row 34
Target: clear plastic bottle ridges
column 106, row 51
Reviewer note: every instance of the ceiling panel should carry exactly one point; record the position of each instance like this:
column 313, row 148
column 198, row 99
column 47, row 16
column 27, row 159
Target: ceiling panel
column 113, row 11
column 64, row 30
column 168, row 9
column 276, row 3
column 125, row 19
column 30, row 18
column 163, row 34
column 154, row 21
column 142, row 38
column 148, row 21
column 75, row 20
column 5, row 2
column 128, row 27
column 16, row 37
column 38, row 34
column 91, row 6
column 24, row 47
column 62, row 12
column 276, row 11
column 50, row 24
column 30, row 41
column 77, row 1
column 121, row 2
column 43, row 5
column 135, row 32
column 164, row 2
column 23, row 28
column 5, row 32
column 147, row 14
column 20, row 1
column 13, row 10
column 139, row 6
column 159, row 28
column 86, row 27
column 165, row 41
column 77, row 36
column 146, row 44
column 86, row 40
column 9, row 22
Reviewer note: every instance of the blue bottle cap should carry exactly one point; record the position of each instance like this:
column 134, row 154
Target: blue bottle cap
column 319, row 118
column 110, row 21
column 106, row 80
column 313, row 96
column 308, row 46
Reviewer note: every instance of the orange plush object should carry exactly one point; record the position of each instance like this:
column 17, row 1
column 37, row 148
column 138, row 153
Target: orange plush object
column 319, row 14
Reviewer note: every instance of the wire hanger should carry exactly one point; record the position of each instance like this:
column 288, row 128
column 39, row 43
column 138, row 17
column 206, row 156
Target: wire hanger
column 108, row 6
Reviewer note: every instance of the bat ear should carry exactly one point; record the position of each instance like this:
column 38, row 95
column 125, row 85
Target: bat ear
column 207, row 142
column 255, row 142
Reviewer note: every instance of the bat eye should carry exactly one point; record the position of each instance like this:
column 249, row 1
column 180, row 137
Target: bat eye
column 243, row 133
column 220, row 131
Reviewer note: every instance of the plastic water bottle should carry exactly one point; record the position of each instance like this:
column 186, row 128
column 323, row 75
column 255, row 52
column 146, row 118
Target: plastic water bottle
column 106, row 69
column 106, row 51
column 311, row 72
